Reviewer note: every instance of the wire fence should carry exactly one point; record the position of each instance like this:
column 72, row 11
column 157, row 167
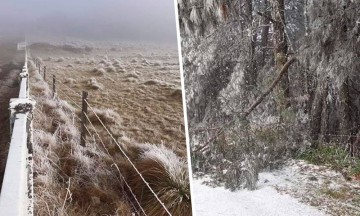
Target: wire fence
column 86, row 120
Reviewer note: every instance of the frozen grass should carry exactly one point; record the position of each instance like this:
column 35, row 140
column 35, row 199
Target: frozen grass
column 78, row 61
column 70, row 179
column 144, row 61
column 94, row 84
column 167, row 175
column 152, row 82
column 132, row 74
column 61, row 59
column 73, row 180
column 107, row 116
column 99, row 71
column 111, row 69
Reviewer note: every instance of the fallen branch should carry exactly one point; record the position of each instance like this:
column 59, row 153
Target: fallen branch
column 273, row 85
column 254, row 105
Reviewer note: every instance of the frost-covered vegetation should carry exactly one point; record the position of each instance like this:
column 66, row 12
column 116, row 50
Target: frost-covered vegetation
column 70, row 179
column 270, row 80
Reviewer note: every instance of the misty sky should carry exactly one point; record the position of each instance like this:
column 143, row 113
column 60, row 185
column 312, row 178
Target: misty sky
column 146, row 20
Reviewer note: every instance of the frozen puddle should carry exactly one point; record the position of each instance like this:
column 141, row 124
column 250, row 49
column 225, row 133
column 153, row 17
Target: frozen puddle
column 265, row 201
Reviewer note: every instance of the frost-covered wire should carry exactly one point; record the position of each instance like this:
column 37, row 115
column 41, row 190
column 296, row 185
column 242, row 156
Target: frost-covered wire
column 127, row 157
column 66, row 95
column 67, row 87
column 123, row 178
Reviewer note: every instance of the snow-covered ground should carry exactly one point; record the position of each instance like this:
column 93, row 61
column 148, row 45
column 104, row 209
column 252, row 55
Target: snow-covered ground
column 298, row 189
column 265, row 201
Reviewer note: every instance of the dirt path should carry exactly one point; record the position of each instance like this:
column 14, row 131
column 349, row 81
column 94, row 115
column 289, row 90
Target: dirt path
column 9, row 88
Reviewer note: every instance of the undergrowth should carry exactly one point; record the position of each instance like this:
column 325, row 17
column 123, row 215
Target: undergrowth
column 333, row 156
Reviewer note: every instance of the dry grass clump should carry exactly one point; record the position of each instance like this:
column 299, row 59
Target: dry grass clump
column 38, row 88
column 130, row 80
column 176, row 94
column 157, row 64
column 99, row 71
column 94, row 84
column 31, row 65
column 45, row 139
column 107, row 116
column 78, row 61
column 104, row 61
column 132, row 74
column 144, row 61
column 70, row 81
column 152, row 82
column 61, row 59
column 167, row 175
column 111, row 69
column 116, row 62
column 119, row 67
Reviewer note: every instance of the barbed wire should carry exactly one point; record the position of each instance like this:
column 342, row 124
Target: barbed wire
column 67, row 87
column 68, row 97
column 131, row 163
column 120, row 148
column 123, row 178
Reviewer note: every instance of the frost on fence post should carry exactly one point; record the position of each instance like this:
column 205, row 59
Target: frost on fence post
column 19, row 105
column 83, row 118
column 44, row 73
column 53, row 87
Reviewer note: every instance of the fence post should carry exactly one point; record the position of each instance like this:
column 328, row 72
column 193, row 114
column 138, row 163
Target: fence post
column 44, row 73
column 54, row 89
column 83, row 118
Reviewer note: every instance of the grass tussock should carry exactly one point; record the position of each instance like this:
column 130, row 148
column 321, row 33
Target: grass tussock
column 99, row 71
column 94, row 84
column 333, row 156
column 167, row 176
column 107, row 116
column 61, row 59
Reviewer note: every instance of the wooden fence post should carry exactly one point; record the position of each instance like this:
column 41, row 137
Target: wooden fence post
column 44, row 72
column 54, row 89
column 83, row 118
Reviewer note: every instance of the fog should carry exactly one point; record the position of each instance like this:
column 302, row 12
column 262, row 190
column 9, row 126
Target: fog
column 130, row 20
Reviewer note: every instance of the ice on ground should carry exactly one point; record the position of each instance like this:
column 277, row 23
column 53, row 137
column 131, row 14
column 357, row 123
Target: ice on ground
column 265, row 201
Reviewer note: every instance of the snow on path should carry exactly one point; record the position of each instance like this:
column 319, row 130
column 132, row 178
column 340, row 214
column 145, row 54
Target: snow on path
column 265, row 201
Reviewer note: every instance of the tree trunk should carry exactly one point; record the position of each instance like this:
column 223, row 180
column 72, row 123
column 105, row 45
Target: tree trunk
column 265, row 34
column 281, row 47
column 250, row 75
column 345, row 115
column 316, row 111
